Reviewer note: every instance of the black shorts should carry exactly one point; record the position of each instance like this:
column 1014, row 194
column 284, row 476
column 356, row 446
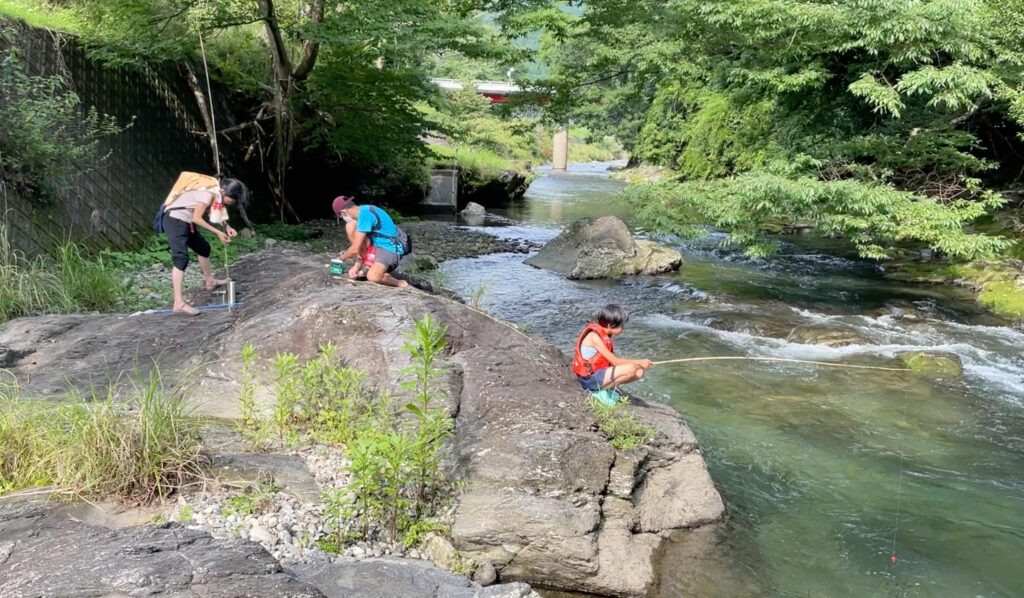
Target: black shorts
column 182, row 236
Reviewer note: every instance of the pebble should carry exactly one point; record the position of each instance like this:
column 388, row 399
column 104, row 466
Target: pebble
column 262, row 535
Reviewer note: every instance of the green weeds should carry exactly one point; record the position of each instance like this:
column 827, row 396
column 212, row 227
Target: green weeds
column 138, row 449
column 395, row 453
column 66, row 282
column 622, row 429
column 255, row 500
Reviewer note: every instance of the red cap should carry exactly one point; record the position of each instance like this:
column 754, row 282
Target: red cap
column 342, row 202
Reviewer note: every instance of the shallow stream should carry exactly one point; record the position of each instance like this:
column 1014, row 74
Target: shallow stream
column 827, row 473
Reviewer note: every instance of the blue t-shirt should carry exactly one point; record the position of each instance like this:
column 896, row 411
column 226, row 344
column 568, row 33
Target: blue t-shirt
column 381, row 229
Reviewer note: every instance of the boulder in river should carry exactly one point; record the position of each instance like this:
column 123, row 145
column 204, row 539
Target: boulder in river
column 829, row 337
column 473, row 209
column 938, row 364
column 603, row 248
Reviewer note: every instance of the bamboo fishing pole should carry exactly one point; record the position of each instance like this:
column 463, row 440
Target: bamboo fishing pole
column 782, row 359
column 228, row 295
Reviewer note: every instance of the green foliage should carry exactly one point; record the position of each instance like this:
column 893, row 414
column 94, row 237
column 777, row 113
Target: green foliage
column 395, row 464
column 67, row 282
column 137, row 449
column 251, row 425
column 622, row 429
column 867, row 215
column 185, row 515
column 320, row 400
column 47, row 138
column 37, row 13
column 867, row 104
column 476, row 298
column 252, row 501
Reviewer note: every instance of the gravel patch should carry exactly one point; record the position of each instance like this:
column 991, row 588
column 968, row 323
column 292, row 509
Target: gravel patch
column 285, row 525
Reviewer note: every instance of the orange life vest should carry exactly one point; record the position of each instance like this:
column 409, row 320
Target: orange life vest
column 586, row 367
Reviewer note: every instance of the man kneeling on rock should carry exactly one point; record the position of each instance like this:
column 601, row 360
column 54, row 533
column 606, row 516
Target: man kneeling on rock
column 370, row 228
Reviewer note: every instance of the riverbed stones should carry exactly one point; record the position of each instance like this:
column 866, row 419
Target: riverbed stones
column 485, row 574
column 440, row 551
column 534, row 467
column 603, row 248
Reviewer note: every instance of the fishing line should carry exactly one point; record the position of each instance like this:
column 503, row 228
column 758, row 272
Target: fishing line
column 899, row 484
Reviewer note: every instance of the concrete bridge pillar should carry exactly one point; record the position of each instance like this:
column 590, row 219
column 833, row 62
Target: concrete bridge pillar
column 560, row 153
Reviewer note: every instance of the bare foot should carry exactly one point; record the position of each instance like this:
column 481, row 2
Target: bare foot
column 186, row 309
column 215, row 283
column 402, row 284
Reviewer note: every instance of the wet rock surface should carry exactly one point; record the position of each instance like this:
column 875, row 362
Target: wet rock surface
column 945, row 365
column 603, row 248
column 538, row 477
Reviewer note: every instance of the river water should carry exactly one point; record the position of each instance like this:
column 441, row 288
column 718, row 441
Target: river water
column 826, row 473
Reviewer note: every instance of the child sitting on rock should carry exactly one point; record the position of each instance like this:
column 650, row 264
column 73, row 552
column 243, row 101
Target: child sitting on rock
column 595, row 364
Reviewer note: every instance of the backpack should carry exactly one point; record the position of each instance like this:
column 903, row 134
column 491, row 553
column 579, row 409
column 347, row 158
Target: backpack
column 158, row 220
column 187, row 181
column 402, row 240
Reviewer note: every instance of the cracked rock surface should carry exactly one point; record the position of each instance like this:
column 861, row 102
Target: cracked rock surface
column 546, row 498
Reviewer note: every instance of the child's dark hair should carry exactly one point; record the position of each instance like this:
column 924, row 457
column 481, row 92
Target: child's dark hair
column 612, row 316
column 236, row 189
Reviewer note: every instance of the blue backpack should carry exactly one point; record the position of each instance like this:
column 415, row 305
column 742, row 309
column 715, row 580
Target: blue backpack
column 402, row 240
column 158, row 220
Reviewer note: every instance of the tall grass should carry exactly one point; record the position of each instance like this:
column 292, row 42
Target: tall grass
column 473, row 159
column 69, row 281
column 39, row 14
column 135, row 449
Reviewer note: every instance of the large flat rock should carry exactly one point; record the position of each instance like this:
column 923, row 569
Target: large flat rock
column 399, row 578
column 44, row 554
column 539, row 477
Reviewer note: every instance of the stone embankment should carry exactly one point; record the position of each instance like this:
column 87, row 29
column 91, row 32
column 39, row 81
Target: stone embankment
column 545, row 498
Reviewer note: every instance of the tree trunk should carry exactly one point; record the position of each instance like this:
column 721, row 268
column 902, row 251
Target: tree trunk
column 204, row 109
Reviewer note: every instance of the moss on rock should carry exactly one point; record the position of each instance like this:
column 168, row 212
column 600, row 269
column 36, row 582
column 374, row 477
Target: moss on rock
column 999, row 284
column 946, row 366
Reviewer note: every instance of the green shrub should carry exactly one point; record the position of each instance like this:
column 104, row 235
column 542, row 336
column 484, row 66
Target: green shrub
column 137, row 449
column 872, row 217
column 46, row 139
column 67, row 283
column 320, row 399
column 622, row 429
column 397, row 482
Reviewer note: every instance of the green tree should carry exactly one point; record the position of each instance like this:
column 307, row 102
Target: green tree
column 867, row 118
column 345, row 76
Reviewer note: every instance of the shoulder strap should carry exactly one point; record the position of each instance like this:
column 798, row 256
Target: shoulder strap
column 380, row 223
column 376, row 229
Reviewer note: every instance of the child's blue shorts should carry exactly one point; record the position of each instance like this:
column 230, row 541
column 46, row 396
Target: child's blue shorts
column 593, row 381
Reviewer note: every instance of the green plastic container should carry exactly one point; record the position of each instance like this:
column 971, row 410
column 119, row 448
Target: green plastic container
column 337, row 267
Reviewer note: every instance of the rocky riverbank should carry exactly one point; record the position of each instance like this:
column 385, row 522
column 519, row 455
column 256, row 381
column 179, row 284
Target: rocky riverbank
column 545, row 497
